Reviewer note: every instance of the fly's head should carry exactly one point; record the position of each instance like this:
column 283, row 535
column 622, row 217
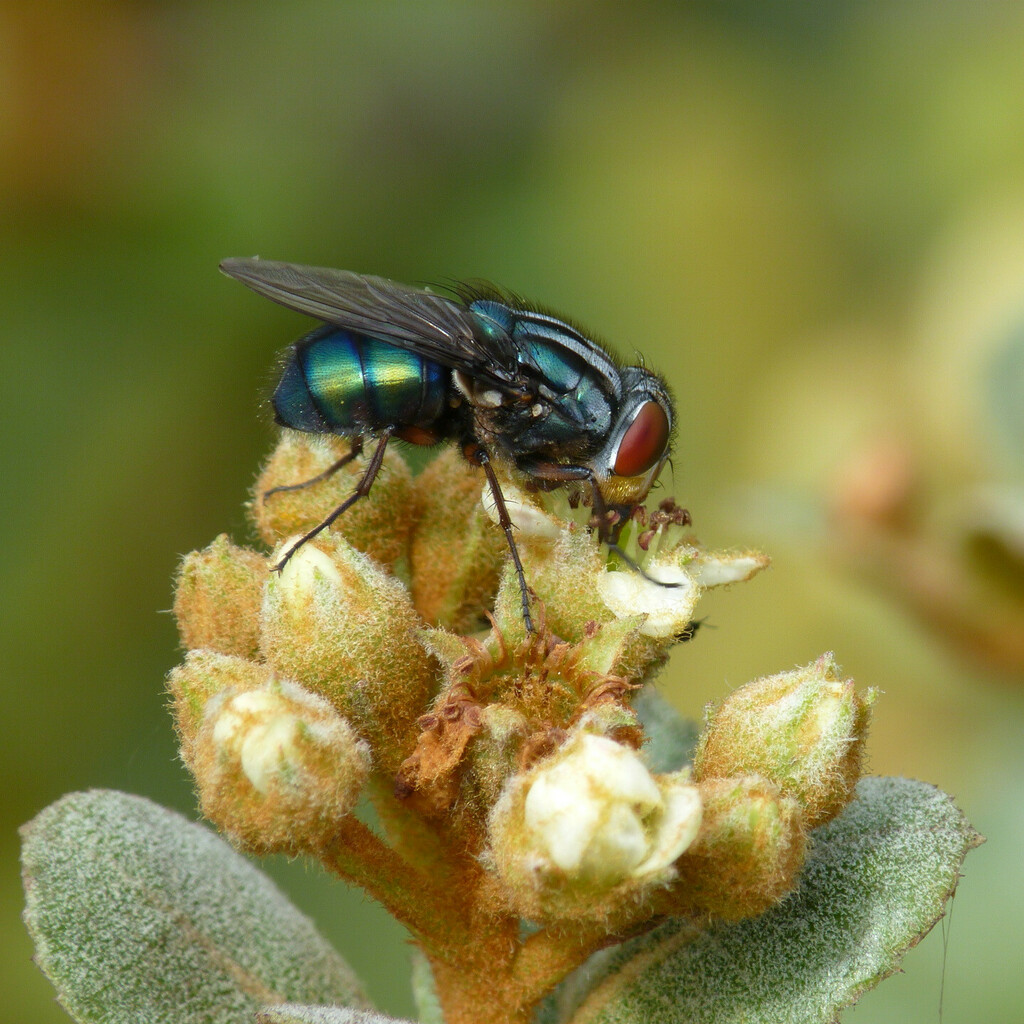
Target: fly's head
column 639, row 442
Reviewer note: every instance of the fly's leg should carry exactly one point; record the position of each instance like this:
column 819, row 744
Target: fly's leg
column 361, row 491
column 476, row 454
column 636, row 568
column 607, row 530
column 355, row 450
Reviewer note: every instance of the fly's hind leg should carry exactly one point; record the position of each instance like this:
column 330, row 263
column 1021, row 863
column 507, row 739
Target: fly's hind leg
column 353, row 452
column 361, row 491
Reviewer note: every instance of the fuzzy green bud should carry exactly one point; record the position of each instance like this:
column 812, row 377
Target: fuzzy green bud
column 748, row 852
column 343, row 628
column 217, row 598
column 590, row 828
column 277, row 767
column 456, row 552
column 804, row 730
column 195, row 683
column 562, row 564
column 378, row 525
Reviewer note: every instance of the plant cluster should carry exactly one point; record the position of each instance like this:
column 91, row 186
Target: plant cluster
column 519, row 800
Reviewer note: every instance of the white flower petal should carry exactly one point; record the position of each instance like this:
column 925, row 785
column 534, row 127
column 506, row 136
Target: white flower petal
column 301, row 571
column 668, row 609
column 267, row 747
column 620, row 844
column 717, row 568
column 677, row 827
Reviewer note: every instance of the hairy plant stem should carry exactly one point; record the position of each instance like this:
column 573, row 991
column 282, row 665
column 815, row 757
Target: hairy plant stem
column 412, row 838
column 361, row 857
column 485, row 971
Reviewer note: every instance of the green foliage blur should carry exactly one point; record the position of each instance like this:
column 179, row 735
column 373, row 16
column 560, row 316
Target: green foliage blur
column 810, row 217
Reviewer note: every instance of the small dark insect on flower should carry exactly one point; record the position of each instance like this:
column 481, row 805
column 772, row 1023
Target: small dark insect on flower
column 505, row 381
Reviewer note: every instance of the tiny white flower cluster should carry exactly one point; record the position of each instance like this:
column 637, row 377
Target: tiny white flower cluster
column 587, row 820
column 688, row 569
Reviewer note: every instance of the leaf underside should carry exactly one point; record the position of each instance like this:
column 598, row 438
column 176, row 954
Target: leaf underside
column 139, row 915
column 292, row 1013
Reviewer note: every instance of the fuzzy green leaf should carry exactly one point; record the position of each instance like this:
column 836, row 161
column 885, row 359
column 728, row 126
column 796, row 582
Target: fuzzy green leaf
column 876, row 881
column 140, row 915
column 292, row 1013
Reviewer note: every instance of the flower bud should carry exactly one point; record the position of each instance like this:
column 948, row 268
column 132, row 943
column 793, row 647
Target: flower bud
column 804, row 730
column 456, row 553
column 194, row 684
column 378, row 525
column 343, row 628
column 493, row 756
column 747, row 854
column 217, row 598
column 277, row 767
column 588, row 828
column 564, row 574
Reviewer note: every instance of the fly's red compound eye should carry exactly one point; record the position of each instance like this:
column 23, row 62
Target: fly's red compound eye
column 644, row 442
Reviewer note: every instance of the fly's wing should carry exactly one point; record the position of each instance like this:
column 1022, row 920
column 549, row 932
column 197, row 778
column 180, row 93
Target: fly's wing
column 431, row 325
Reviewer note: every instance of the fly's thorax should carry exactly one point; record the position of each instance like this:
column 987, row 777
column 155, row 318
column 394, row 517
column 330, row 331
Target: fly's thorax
column 572, row 383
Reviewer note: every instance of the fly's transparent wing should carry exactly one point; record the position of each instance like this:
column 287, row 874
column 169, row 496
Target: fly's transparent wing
column 431, row 325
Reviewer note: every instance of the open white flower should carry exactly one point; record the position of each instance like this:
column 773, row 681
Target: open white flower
column 587, row 820
column 690, row 570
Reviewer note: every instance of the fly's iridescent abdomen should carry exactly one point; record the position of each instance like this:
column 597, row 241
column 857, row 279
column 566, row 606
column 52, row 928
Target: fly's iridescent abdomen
column 340, row 382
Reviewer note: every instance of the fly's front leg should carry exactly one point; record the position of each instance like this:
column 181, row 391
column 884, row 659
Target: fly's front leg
column 477, row 455
column 608, row 530
column 355, row 450
column 361, row 491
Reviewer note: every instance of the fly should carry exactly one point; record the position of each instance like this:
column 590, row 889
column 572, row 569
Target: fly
column 504, row 380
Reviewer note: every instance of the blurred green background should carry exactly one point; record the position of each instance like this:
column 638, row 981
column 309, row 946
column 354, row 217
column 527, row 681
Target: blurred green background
column 810, row 217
